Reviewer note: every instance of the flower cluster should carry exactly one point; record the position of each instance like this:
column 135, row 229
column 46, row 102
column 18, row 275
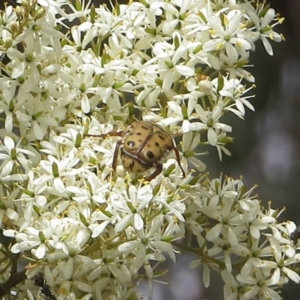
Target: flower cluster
column 85, row 226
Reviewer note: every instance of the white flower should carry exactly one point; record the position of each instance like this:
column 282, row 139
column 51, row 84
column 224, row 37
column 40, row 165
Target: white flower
column 53, row 170
column 260, row 284
column 147, row 239
column 263, row 26
column 190, row 142
column 11, row 155
column 99, row 221
column 232, row 289
column 133, row 207
column 281, row 263
column 168, row 67
column 226, row 35
column 35, row 118
column 210, row 123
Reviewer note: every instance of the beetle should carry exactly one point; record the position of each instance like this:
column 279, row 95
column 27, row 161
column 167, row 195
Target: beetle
column 142, row 147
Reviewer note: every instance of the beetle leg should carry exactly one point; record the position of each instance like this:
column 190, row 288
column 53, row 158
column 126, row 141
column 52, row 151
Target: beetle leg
column 106, row 135
column 114, row 163
column 178, row 160
column 156, row 172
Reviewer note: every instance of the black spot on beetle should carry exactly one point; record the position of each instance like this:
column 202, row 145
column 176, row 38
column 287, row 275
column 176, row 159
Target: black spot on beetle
column 156, row 144
column 131, row 165
column 150, row 155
